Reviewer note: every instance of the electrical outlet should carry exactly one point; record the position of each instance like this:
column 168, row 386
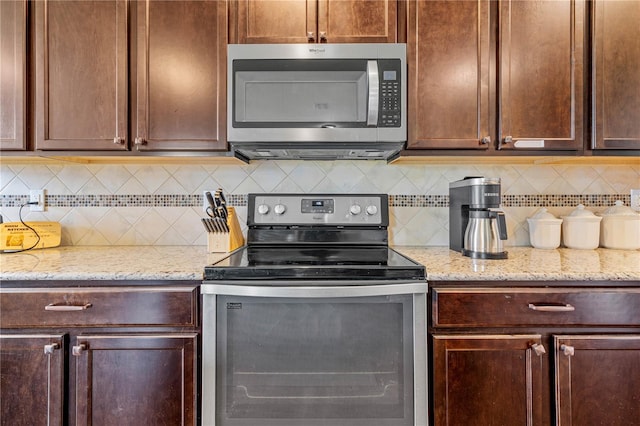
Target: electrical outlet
column 635, row 199
column 37, row 196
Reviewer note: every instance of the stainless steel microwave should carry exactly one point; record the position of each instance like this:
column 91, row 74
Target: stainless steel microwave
column 317, row 101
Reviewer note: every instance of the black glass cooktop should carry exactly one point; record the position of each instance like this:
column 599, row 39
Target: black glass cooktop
column 315, row 263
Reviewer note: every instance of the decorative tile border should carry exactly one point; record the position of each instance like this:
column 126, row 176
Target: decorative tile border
column 419, row 200
column 589, row 200
column 179, row 200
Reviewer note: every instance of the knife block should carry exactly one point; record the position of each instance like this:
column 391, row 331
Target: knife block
column 225, row 242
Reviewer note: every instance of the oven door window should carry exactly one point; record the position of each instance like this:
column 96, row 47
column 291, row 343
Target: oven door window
column 346, row 361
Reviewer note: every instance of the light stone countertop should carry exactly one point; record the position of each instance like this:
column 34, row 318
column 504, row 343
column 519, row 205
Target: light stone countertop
column 188, row 262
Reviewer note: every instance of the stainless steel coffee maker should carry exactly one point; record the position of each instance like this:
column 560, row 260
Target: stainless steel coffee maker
column 476, row 227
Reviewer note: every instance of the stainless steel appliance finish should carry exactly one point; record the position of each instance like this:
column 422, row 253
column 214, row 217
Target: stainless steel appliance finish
column 329, row 101
column 484, row 232
column 476, row 228
column 316, row 321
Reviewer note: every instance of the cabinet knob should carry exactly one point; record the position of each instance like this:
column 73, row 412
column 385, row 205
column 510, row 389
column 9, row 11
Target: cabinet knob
column 507, row 140
column 79, row 349
column 139, row 142
column 486, row 140
column 323, row 36
column 48, row 349
column 568, row 350
column 118, row 141
column 538, row 349
column 311, row 36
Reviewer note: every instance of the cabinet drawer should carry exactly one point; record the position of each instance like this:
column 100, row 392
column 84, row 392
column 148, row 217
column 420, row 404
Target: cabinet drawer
column 483, row 307
column 99, row 306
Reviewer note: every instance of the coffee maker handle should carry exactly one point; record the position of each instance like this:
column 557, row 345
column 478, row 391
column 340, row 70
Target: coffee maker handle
column 502, row 225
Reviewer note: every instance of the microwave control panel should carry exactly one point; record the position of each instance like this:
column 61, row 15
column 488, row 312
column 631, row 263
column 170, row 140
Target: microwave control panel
column 390, row 96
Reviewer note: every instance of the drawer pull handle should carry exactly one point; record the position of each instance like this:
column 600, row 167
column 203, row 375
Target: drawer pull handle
column 66, row 308
column 78, row 350
column 568, row 350
column 552, row 308
column 48, row 349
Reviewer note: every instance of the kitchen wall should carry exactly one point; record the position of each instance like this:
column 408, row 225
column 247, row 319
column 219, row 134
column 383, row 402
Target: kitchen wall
column 150, row 204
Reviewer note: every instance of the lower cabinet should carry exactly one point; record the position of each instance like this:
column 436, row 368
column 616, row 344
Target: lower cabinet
column 487, row 380
column 32, row 369
column 535, row 355
column 121, row 355
column 597, row 379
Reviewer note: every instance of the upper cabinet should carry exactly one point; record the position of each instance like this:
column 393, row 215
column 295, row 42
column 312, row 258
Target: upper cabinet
column 13, row 45
column 541, row 77
column 171, row 65
column 81, row 75
column 496, row 76
column 180, row 75
column 616, row 75
column 314, row 21
column 449, row 56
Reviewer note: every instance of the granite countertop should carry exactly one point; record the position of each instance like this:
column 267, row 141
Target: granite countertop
column 187, row 263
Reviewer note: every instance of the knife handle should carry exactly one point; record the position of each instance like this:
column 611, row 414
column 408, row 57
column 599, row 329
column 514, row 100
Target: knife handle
column 210, row 200
column 220, row 195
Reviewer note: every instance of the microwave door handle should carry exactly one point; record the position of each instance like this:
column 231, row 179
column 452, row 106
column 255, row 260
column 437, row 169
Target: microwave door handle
column 373, row 79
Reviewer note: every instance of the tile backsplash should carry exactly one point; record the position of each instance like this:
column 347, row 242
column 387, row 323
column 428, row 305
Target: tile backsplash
column 143, row 204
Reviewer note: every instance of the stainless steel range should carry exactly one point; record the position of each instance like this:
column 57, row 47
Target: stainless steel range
column 316, row 321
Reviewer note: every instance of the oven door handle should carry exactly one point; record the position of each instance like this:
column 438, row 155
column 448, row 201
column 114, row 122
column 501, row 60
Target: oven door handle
column 300, row 290
column 373, row 79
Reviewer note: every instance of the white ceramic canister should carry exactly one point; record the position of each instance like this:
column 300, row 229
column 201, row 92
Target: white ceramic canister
column 620, row 228
column 544, row 230
column 581, row 229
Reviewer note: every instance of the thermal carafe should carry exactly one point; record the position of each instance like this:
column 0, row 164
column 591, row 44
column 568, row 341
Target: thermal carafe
column 476, row 228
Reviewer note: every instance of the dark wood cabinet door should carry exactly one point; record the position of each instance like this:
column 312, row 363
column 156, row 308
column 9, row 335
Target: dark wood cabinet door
column 314, row 21
column 597, row 379
column 136, row 379
column 541, row 81
column 274, row 21
column 180, row 75
column 31, row 379
column 616, row 74
column 13, row 72
column 448, row 56
column 81, row 74
column 487, row 380
column 357, row 21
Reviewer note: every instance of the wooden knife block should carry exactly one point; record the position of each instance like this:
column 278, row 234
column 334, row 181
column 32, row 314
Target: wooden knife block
column 225, row 242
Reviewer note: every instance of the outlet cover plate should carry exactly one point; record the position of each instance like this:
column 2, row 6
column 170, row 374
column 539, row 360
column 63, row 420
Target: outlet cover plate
column 36, row 196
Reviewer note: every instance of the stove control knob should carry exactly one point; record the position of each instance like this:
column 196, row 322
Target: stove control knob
column 279, row 209
column 371, row 210
column 355, row 209
column 263, row 209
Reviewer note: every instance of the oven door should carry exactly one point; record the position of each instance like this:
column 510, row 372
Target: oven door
column 334, row 355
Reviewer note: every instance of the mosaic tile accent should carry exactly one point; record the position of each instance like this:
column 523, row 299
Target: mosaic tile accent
column 552, row 200
column 418, row 201
column 239, row 200
column 168, row 200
